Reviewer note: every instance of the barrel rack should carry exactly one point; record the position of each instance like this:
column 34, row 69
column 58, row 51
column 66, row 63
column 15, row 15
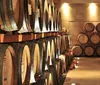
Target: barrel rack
column 8, row 38
column 31, row 41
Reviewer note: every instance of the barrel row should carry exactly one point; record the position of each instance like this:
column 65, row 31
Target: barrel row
column 30, row 62
column 93, row 38
column 24, row 16
column 90, row 27
column 86, row 51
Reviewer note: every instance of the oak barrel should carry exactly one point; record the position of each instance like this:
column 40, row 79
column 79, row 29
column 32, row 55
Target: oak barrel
column 35, row 62
column 58, row 70
column 98, row 50
column 63, row 44
column 58, row 45
column 38, row 27
column 45, row 16
column 95, row 38
column 10, row 11
column 53, row 54
column 89, row 50
column 98, row 27
column 63, row 63
column 8, row 65
column 48, row 57
column 82, row 38
column 23, row 65
column 77, row 50
column 67, row 39
column 89, row 27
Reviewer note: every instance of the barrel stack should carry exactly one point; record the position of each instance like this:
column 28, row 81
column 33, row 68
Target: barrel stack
column 88, row 41
column 35, row 56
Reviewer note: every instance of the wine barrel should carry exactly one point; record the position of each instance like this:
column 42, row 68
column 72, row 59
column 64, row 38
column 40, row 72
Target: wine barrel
column 55, row 19
column 49, row 58
column 11, row 13
column 63, row 63
column 98, row 50
column 35, row 62
column 82, row 38
column 7, row 65
column 23, row 65
column 45, row 16
column 67, row 42
column 49, row 18
column 51, row 77
column 63, row 44
column 98, row 27
column 59, row 21
column 56, row 49
column 95, row 38
column 26, row 12
column 44, row 65
column 53, row 54
column 38, row 16
column 89, row 50
column 58, row 45
column 77, row 50
column 43, row 52
column 58, row 70
column 89, row 27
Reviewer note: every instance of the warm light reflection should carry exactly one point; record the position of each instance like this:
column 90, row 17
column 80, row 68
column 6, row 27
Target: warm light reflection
column 50, row 79
column 77, row 61
column 46, row 67
column 73, row 84
column 92, row 8
column 76, row 66
column 78, row 58
column 65, row 8
column 32, row 79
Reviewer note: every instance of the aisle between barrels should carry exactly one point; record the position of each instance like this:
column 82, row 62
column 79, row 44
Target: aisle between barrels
column 87, row 72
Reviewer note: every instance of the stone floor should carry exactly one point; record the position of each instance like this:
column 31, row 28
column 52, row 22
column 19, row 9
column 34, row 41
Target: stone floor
column 86, row 73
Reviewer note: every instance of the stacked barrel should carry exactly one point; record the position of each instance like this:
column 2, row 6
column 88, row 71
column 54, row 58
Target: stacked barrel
column 40, row 61
column 29, row 16
column 89, row 41
column 37, row 62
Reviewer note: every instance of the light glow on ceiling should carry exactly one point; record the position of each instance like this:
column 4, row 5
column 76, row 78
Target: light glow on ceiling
column 93, row 9
column 65, row 8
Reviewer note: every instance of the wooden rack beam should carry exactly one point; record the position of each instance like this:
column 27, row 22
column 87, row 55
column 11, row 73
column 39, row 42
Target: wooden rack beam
column 9, row 38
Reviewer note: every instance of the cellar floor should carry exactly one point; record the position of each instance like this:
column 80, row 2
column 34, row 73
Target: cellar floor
column 86, row 73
